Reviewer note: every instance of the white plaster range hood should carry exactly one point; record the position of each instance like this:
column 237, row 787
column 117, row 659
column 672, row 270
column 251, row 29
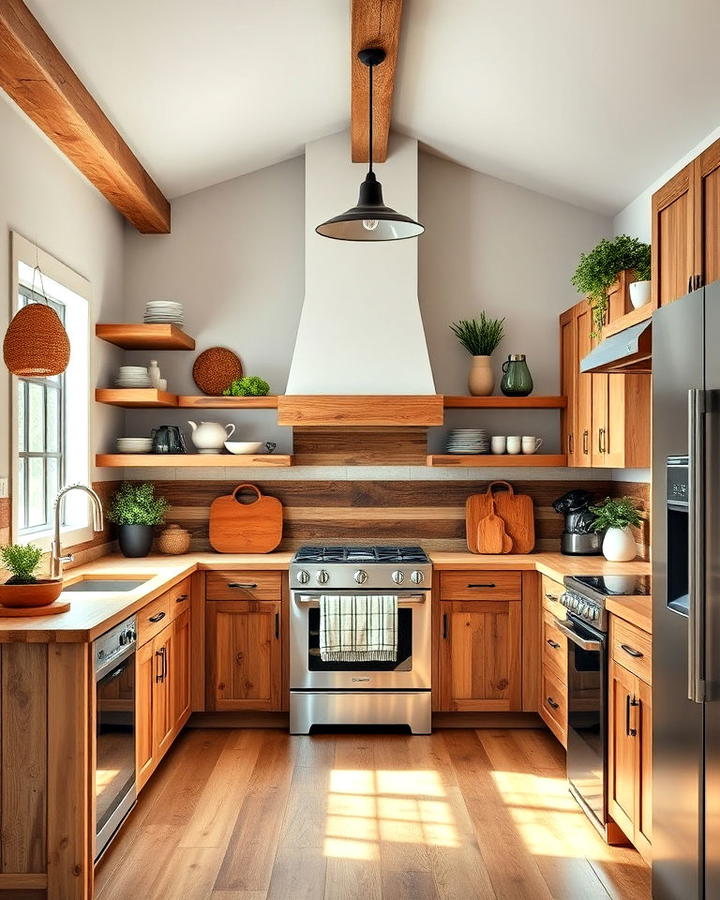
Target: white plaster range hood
column 360, row 332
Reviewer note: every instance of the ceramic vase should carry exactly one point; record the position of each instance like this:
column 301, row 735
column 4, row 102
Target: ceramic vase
column 135, row 540
column 481, row 380
column 619, row 545
column 639, row 293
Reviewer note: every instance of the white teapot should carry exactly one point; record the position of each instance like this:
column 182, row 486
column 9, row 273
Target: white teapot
column 210, row 437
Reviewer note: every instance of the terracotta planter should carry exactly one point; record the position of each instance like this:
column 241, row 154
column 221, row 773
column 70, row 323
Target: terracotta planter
column 42, row 593
column 481, row 380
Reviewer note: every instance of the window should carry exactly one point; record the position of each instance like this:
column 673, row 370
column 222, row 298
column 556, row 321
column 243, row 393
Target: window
column 51, row 416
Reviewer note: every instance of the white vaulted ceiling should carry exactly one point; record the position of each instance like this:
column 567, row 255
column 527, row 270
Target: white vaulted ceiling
column 585, row 101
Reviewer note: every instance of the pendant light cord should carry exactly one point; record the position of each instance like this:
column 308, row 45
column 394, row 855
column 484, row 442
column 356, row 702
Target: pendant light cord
column 370, row 116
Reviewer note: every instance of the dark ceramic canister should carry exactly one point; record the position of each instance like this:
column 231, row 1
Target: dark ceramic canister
column 517, row 380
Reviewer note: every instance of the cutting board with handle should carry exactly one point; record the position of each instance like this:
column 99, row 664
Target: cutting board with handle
column 491, row 534
column 516, row 511
column 240, row 527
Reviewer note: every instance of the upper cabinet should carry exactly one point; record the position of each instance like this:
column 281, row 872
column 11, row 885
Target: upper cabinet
column 686, row 229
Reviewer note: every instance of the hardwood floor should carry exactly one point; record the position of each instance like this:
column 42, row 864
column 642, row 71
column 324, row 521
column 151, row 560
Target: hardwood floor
column 461, row 814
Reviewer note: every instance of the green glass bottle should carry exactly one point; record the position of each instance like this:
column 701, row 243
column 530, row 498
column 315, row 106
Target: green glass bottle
column 517, row 380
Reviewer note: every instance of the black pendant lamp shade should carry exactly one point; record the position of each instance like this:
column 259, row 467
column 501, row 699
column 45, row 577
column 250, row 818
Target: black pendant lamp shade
column 370, row 220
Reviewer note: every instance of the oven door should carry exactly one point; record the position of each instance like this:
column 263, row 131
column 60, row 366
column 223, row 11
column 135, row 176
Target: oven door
column 411, row 670
column 587, row 717
column 114, row 747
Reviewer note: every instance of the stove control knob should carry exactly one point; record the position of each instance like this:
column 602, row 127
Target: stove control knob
column 417, row 577
column 302, row 577
column 322, row 577
column 595, row 613
column 398, row 577
column 123, row 639
column 361, row 576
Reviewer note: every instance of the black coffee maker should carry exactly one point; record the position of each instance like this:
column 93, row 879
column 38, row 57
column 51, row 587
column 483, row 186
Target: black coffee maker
column 579, row 538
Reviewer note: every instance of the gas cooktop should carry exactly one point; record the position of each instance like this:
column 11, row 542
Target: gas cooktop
column 360, row 555
column 369, row 567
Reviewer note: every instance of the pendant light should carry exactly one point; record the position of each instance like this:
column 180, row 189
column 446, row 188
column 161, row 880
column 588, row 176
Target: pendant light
column 370, row 220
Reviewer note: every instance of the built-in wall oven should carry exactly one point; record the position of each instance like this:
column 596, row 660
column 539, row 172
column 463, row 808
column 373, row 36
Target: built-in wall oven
column 115, row 792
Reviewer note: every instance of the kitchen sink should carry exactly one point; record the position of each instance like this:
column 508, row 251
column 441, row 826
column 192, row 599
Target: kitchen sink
column 105, row 585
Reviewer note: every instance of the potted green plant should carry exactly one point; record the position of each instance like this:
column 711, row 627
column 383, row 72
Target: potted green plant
column 615, row 516
column 23, row 588
column 599, row 268
column 136, row 510
column 480, row 337
column 247, row 386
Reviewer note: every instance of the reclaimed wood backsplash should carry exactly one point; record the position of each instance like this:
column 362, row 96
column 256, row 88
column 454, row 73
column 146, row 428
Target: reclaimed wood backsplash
column 431, row 513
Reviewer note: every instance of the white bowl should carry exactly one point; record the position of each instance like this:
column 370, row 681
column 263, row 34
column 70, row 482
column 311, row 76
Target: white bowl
column 240, row 448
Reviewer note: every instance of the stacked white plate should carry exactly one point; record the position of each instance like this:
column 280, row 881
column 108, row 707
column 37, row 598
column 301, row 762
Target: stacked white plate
column 468, row 441
column 164, row 312
column 133, row 377
column 134, row 445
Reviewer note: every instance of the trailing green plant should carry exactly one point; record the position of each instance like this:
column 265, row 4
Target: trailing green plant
column 22, row 560
column 480, row 337
column 248, row 386
column 599, row 268
column 136, row 504
column 616, row 512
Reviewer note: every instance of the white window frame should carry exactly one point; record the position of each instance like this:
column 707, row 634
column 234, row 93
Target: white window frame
column 79, row 409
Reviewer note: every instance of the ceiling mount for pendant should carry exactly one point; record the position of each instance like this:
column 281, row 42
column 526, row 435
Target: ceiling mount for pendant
column 370, row 219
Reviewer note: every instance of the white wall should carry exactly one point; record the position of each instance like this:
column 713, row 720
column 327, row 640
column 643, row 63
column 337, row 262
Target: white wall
column 45, row 199
column 635, row 219
column 494, row 246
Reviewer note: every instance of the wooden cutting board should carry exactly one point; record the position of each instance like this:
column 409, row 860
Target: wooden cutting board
column 239, row 527
column 516, row 510
column 491, row 534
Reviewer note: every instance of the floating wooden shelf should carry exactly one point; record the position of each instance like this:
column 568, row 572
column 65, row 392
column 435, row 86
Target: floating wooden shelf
column 136, row 398
column 202, row 402
column 145, row 337
column 488, row 460
column 190, row 460
column 369, row 410
column 504, row 402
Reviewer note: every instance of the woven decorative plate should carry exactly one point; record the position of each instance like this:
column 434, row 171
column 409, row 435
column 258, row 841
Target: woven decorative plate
column 214, row 369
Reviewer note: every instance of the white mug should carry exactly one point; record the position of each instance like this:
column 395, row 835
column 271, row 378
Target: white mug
column 497, row 443
column 531, row 444
column 513, row 444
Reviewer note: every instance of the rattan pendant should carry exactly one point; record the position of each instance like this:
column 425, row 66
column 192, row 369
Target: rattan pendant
column 36, row 344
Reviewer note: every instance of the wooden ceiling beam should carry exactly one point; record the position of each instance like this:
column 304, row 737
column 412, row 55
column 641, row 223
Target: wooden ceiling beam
column 37, row 77
column 375, row 23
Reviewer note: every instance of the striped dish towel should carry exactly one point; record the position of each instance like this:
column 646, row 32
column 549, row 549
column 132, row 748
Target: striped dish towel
column 358, row 628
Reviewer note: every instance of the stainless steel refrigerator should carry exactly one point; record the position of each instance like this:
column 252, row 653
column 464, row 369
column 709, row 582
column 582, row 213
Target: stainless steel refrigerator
column 686, row 597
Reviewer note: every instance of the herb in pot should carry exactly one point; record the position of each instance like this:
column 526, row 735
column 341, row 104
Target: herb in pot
column 616, row 512
column 480, row 337
column 22, row 560
column 248, row 386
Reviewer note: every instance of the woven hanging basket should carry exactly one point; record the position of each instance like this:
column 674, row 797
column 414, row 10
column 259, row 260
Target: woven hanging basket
column 36, row 344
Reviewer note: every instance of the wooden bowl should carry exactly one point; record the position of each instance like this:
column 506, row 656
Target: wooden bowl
column 42, row 593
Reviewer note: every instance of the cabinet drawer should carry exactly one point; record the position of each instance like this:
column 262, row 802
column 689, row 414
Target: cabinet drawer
column 153, row 618
column 179, row 598
column 553, row 705
column 554, row 649
column 480, row 585
column 243, row 585
column 631, row 647
column 551, row 593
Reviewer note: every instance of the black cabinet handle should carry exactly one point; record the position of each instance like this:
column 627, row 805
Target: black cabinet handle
column 553, row 644
column 157, row 617
column 551, row 702
column 698, row 281
column 165, row 663
column 629, row 701
column 552, row 597
column 632, row 651
column 277, row 626
column 690, row 283
column 239, row 586
column 488, row 585
column 445, row 626
column 181, row 598
column 161, row 674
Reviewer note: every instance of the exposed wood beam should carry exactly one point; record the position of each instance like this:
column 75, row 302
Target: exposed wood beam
column 375, row 23
column 37, row 77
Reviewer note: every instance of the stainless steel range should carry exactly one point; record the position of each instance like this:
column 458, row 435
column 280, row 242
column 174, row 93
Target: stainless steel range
column 375, row 692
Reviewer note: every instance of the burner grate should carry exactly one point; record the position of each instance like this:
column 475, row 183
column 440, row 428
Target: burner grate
column 361, row 555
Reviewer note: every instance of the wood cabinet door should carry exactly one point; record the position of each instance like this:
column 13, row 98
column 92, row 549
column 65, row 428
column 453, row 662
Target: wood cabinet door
column 622, row 747
column 568, row 376
column 163, row 722
column 180, row 670
column 480, row 656
column 583, row 386
column 244, row 659
column 144, row 733
column 643, row 801
column 707, row 214
column 673, row 256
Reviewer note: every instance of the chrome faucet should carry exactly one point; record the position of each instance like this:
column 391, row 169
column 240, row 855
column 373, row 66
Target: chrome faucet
column 56, row 557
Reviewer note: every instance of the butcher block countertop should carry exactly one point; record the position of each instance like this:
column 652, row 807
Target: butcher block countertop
column 91, row 614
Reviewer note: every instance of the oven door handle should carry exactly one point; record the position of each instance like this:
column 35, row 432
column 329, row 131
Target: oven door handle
column 583, row 643
column 111, row 664
column 411, row 598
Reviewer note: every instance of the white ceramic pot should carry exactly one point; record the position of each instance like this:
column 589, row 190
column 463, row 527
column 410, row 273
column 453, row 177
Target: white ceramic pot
column 481, row 380
column 639, row 293
column 210, row 437
column 619, row 545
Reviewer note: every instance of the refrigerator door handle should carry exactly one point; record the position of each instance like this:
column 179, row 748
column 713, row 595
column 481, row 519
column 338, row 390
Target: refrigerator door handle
column 696, row 546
